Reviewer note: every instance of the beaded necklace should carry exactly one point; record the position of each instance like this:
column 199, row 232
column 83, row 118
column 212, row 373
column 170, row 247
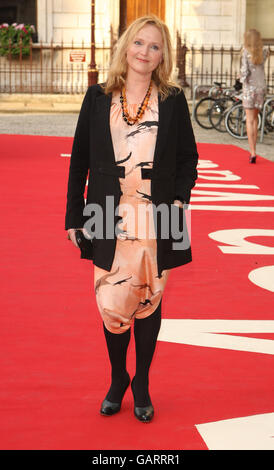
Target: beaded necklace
column 127, row 118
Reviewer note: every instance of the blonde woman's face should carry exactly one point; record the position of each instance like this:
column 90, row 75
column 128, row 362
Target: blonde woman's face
column 145, row 52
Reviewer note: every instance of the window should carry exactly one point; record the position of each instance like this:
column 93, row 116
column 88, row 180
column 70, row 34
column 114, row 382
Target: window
column 8, row 14
column 18, row 11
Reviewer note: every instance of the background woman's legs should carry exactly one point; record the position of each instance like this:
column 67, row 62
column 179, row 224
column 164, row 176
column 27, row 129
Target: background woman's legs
column 255, row 123
column 252, row 128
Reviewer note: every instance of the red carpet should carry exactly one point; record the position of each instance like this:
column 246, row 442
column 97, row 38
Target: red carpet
column 55, row 370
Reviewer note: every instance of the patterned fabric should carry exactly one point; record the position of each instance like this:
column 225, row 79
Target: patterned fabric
column 132, row 288
column 253, row 80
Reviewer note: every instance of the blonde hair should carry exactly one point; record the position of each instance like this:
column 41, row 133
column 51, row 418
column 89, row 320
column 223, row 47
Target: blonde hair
column 254, row 45
column 118, row 67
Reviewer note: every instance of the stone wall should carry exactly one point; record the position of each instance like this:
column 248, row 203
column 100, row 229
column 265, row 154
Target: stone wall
column 67, row 20
column 200, row 21
column 207, row 22
column 64, row 20
column 260, row 15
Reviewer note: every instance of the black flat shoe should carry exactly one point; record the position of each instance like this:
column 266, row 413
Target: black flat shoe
column 143, row 413
column 109, row 408
column 252, row 159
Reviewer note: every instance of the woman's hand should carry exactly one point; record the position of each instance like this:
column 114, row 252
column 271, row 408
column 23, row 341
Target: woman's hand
column 179, row 203
column 72, row 237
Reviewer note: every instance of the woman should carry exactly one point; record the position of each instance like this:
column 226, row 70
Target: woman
column 254, row 87
column 134, row 134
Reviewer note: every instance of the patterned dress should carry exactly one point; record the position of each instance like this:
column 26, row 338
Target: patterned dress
column 253, row 80
column 132, row 288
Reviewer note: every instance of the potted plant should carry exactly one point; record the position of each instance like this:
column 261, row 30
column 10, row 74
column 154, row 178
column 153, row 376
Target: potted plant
column 15, row 38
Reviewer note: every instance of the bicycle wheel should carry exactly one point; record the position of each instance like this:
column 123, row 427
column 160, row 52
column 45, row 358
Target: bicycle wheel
column 235, row 122
column 202, row 110
column 218, row 113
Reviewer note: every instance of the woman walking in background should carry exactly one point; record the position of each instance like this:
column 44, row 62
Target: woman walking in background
column 134, row 134
column 252, row 77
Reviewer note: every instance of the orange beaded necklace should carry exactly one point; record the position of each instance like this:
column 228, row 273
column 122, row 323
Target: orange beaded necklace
column 127, row 118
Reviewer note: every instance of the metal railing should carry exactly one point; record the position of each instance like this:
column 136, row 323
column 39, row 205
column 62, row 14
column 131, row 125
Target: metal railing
column 268, row 101
column 52, row 68
column 206, row 65
column 63, row 68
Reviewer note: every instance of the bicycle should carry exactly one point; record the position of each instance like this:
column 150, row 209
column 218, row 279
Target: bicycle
column 221, row 107
column 222, row 100
column 235, row 120
column 269, row 112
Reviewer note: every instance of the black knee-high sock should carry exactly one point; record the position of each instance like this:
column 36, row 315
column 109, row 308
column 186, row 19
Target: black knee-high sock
column 117, row 345
column 146, row 332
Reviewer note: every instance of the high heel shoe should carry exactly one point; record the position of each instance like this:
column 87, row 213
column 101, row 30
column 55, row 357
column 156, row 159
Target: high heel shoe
column 252, row 159
column 143, row 413
column 109, row 408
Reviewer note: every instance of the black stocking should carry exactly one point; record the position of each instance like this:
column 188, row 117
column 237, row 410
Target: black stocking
column 117, row 344
column 146, row 332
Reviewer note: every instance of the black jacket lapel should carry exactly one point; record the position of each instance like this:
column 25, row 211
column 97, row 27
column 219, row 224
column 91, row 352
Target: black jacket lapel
column 102, row 118
column 165, row 113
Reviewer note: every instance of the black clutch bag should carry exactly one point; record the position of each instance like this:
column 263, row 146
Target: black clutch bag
column 84, row 244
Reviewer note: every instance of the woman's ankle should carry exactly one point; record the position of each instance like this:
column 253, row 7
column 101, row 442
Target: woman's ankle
column 140, row 392
column 117, row 388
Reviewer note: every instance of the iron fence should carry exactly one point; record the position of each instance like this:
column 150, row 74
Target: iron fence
column 63, row 68
column 203, row 65
column 52, row 68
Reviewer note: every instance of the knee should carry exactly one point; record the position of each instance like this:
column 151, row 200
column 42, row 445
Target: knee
column 250, row 121
column 155, row 314
column 116, row 330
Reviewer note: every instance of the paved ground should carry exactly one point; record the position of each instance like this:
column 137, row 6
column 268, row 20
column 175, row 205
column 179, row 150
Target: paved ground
column 63, row 124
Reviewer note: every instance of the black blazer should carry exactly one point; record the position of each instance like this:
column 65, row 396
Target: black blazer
column 172, row 176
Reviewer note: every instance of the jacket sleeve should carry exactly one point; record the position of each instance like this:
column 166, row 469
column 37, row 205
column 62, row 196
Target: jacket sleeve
column 79, row 166
column 186, row 155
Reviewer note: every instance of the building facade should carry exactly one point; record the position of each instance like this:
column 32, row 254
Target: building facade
column 206, row 24
column 219, row 22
